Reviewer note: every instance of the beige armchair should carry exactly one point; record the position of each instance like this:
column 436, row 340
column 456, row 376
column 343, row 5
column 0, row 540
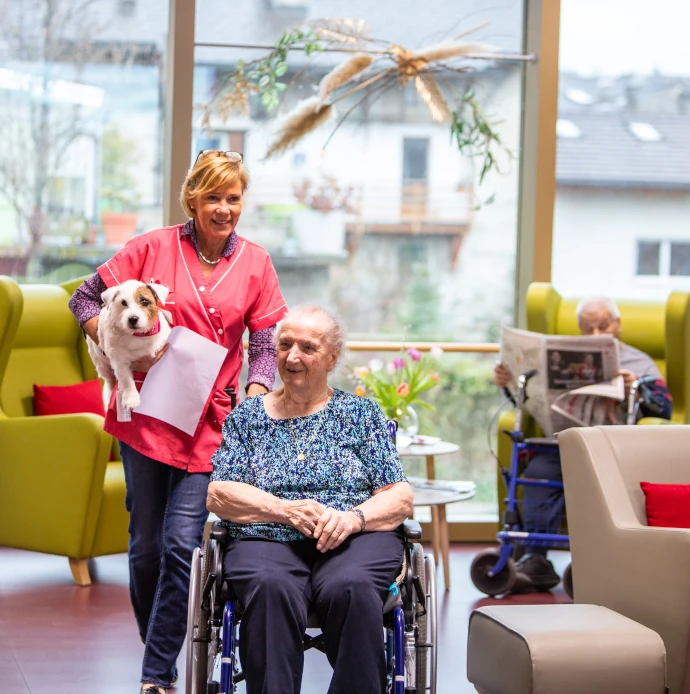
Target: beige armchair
column 618, row 561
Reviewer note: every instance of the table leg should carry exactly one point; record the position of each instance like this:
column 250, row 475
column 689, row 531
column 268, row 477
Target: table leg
column 435, row 537
column 445, row 544
column 430, row 468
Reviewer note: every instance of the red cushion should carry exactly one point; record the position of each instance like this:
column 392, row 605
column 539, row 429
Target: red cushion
column 668, row 505
column 81, row 397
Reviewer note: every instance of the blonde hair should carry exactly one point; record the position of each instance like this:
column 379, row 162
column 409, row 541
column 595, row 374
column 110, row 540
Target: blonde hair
column 211, row 173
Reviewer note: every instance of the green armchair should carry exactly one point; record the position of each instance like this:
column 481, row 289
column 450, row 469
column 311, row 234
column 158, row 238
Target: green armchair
column 59, row 494
column 661, row 329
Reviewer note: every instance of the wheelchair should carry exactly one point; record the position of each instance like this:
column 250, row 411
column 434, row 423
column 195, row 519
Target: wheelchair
column 409, row 619
column 493, row 571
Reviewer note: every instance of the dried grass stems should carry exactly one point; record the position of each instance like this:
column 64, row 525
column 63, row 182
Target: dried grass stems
column 305, row 117
column 344, row 73
column 386, row 63
column 448, row 50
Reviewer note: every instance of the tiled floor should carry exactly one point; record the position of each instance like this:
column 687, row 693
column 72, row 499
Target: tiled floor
column 57, row 638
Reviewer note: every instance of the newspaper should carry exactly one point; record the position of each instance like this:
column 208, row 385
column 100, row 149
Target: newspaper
column 575, row 383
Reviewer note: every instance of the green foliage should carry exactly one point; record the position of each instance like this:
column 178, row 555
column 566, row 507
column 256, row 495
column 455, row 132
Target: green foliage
column 463, row 408
column 474, row 135
column 421, row 310
column 118, row 185
column 267, row 71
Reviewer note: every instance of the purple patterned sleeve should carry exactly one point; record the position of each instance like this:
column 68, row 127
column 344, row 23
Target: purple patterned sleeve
column 86, row 300
column 262, row 358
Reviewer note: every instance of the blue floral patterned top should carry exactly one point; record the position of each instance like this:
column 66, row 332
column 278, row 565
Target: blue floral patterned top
column 351, row 454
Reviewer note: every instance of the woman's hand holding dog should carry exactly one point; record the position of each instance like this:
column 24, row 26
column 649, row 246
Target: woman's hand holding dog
column 143, row 365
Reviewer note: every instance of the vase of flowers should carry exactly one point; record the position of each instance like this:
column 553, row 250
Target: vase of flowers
column 397, row 386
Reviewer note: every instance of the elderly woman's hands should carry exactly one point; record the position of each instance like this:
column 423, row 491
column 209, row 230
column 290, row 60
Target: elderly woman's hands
column 334, row 527
column 304, row 515
column 330, row 527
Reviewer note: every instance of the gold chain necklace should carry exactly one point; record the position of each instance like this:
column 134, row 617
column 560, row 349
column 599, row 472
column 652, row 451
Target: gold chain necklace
column 301, row 450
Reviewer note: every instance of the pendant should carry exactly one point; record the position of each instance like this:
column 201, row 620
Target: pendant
column 301, row 457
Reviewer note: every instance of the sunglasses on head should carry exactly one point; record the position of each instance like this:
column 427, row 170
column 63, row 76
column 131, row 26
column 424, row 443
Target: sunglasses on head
column 232, row 156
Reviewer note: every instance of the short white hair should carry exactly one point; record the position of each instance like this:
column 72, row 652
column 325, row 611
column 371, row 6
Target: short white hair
column 592, row 303
column 336, row 334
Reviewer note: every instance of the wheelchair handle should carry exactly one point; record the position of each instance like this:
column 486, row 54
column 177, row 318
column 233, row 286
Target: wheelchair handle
column 634, row 397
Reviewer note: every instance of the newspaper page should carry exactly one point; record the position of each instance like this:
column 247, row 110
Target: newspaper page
column 574, row 380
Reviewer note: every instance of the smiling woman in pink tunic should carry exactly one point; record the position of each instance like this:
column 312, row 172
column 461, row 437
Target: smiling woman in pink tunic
column 220, row 284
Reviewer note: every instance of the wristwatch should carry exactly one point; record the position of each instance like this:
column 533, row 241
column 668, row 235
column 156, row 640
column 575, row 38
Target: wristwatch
column 360, row 514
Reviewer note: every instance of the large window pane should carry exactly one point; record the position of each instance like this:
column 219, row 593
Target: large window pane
column 81, row 114
column 414, row 250
column 622, row 148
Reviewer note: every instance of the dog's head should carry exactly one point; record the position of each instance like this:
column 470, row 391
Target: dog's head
column 134, row 306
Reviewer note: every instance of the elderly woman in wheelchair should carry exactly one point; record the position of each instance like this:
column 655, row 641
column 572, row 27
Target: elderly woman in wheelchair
column 311, row 493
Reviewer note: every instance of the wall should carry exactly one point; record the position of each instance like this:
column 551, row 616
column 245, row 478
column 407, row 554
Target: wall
column 595, row 240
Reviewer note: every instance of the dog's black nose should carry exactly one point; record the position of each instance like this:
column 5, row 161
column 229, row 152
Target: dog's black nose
column 132, row 320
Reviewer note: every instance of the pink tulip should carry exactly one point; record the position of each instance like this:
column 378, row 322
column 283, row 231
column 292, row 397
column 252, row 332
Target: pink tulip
column 414, row 354
column 403, row 390
column 398, row 363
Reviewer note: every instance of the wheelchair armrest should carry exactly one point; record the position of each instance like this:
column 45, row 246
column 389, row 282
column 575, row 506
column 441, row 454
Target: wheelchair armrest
column 219, row 533
column 411, row 529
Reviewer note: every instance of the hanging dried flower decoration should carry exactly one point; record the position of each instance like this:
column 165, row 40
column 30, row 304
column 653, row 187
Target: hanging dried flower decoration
column 376, row 67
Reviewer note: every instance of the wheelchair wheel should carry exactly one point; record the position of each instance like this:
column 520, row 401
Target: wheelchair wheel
column 568, row 581
column 502, row 582
column 198, row 622
column 421, row 615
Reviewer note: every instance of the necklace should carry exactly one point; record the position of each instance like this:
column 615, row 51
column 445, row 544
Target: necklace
column 206, row 260
column 301, row 450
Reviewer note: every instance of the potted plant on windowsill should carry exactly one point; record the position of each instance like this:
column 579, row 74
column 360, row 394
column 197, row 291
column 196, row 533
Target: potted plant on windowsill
column 319, row 225
column 118, row 220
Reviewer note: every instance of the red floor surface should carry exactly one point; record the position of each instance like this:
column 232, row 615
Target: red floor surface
column 57, row 638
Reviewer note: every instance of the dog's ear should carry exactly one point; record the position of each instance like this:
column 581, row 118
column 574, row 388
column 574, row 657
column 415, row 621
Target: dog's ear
column 167, row 315
column 109, row 295
column 159, row 291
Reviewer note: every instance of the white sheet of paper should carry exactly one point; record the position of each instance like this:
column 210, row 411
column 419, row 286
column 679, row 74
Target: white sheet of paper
column 178, row 385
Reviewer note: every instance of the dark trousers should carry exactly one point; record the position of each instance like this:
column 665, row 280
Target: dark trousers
column 167, row 509
column 542, row 507
column 277, row 583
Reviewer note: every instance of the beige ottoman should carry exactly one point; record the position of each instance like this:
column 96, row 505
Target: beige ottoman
column 562, row 649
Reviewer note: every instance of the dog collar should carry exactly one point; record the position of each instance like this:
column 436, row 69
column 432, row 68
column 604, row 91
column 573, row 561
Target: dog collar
column 154, row 330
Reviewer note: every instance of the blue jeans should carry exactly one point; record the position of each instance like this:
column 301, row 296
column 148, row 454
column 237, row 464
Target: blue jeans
column 167, row 509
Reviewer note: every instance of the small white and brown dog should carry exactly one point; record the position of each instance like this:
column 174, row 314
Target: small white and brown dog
column 132, row 325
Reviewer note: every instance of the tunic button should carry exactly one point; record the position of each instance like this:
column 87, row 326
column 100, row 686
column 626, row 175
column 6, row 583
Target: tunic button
column 202, row 289
column 220, row 331
column 212, row 310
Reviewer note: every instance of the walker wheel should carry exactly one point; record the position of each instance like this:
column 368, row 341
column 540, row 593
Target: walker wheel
column 568, row 581
column 502, row 582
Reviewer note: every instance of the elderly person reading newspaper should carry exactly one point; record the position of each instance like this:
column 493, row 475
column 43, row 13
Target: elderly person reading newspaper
column 595, row 316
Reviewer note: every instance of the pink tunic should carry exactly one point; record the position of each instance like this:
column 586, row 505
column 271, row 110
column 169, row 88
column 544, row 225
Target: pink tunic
column 241, row 293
